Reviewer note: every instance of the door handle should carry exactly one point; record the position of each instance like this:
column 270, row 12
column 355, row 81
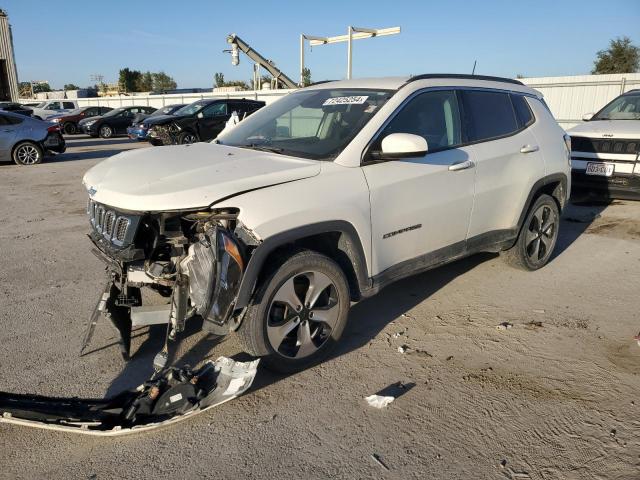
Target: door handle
column 461, row 166
column 529, row 148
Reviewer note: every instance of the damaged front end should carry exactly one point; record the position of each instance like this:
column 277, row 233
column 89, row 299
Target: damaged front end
column 194, row 260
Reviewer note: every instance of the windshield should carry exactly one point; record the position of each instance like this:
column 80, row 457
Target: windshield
column 191, row 109
column 625, row 107
column 114, row 112
column 315, row 124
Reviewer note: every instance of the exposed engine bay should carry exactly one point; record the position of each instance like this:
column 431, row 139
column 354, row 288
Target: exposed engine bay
column 194, row 259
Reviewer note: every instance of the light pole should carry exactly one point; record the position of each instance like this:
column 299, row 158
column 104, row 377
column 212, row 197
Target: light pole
column 353, row 33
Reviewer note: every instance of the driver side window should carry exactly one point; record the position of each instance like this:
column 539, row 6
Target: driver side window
column 434, row 115
column 215, row 110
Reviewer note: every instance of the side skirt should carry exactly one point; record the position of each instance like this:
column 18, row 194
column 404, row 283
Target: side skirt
column 495, row 241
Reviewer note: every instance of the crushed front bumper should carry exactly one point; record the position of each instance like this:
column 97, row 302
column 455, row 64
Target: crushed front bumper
column 173, row 395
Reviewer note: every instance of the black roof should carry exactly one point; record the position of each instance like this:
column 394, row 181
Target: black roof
column 427, row 76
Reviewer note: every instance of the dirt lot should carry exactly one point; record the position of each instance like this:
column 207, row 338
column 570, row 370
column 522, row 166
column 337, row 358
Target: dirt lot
column 554, row 397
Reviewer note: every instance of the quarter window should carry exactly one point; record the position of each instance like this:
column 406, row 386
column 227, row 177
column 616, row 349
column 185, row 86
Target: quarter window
column 432, row 115
column 524, row 115
column 489, row 115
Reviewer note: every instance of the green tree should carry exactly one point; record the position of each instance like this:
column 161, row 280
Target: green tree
column 621, row 57
column 218, row 79
column 128, row 80
column 71, row 86
column 306, row 77
column 163, row 82
column 145, row 82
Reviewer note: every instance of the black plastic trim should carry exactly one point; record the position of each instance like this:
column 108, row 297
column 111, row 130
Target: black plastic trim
column 260, row 254
column 462, row 76
column 549, row 179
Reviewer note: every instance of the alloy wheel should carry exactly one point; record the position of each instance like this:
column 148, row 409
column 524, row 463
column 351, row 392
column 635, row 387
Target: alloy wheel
column 105, row 131
column 28, row 154
column 541, row 234
column 302, row 314
column 189, row 138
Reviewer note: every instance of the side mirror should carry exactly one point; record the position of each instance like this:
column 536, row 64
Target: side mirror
column 587, row 116
column 403, row 145
column 200, row 115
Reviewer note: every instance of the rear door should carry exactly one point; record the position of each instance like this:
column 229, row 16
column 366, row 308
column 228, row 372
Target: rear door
column 508, row 160
column 211, row 120
column 420, row 207
column 8, row 129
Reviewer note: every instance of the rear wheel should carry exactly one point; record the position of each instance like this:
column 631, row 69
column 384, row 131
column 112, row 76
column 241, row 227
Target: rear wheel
column 298, row 313
column 186, row 138
column 69, row 128
column 106, row 131
column 537, row 237
column 27, row 153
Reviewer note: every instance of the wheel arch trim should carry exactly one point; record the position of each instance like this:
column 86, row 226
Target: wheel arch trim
column 354, row 251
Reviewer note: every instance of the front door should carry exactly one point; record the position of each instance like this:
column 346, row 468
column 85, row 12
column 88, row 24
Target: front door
column 8, row 129
column 421, row 207
column 211, row 121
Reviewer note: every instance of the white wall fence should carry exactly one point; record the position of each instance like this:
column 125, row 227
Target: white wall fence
column 158, row 101
column 568, row 97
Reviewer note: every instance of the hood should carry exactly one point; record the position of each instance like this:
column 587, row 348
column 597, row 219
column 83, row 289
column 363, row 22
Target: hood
column 629, row 129
column 184, row 177
column 160, row 119
column 90, row 119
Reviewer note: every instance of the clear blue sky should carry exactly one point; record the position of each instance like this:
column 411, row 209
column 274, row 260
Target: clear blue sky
column 65, row 42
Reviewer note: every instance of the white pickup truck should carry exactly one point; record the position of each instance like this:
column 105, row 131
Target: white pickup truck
column 49, row 108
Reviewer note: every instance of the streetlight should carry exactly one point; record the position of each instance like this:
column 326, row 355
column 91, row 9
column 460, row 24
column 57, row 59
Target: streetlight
column 353, row 33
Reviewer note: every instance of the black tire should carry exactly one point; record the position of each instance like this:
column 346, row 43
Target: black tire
column 69, row 128
column 106, row 131
column 537, row 237
column 265, row 313
column 27, row 153
column 186, row 138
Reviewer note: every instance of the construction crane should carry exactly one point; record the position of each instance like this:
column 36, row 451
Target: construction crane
column 237, row 45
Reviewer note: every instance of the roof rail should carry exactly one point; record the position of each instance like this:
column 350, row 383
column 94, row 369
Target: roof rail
column 320, row 82
column 427, row 76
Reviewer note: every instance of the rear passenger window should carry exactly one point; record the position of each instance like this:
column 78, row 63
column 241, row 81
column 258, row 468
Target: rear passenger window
column 489, row 115
column 432, row 115
column 524, row 115
column 69, row 105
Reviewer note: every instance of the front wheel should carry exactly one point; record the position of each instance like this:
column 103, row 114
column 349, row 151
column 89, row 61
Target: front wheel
column 186, row 138
column 298, row 313
column 69, row 128
column 537, row 237
column 27, row 153
column 105, row 131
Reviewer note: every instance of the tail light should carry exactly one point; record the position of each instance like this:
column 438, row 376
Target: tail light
column 53, row 128
column 567, row 144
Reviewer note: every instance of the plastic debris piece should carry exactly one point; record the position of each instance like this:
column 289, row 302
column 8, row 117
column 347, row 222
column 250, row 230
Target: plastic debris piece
column 379, row 401
column 504, row 326
column 376, row 458
column 402, row 349
column 637, row 339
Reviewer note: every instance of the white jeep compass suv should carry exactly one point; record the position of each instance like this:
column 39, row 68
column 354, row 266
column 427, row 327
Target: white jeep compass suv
column 606, row 149
column 321, row 199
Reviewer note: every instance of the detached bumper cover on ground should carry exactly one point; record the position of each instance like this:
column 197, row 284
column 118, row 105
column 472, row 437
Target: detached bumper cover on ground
column 171, row 396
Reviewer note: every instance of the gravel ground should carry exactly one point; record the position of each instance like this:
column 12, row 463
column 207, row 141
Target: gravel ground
column 553, row 397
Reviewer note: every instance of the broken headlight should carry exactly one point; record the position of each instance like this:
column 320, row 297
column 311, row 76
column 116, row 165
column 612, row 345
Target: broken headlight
column 214, row 266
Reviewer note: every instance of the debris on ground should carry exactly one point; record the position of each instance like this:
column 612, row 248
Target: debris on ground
column 376, row 458
column 504, row 326
column 403, row 349
column 169, row 396
column 538, row 311
column 637, row 339
column 533, row 324
column 420, row 353
column 379, row 401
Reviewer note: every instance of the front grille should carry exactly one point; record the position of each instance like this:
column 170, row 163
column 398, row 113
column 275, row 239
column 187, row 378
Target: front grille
column 117, row 227
column 605, row 145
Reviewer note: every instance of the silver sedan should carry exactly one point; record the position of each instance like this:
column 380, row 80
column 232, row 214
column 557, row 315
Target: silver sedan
column 26, row 140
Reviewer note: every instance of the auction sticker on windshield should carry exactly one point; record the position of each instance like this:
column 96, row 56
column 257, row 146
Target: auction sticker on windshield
column 600, row 169
column 355, row 100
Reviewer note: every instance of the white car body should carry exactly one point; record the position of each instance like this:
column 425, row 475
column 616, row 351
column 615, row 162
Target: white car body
column 49, row 108
column 611, row 149
column 393, row 218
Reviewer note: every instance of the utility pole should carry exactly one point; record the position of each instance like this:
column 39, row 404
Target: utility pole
column 353, row 33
